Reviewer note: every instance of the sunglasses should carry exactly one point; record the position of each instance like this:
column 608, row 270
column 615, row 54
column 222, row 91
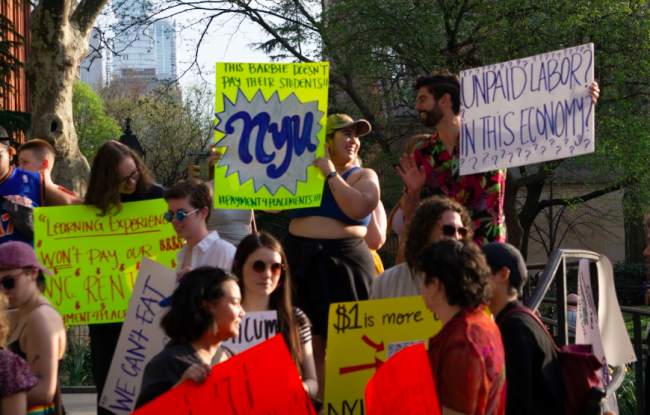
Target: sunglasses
column 260, row 266
column 9, row 282
column 449, row 230
column 135, row 176
column 180, row 215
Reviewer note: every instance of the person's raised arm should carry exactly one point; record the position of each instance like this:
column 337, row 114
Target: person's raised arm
column 57, row 197
column 43, row 351
column 356, row 201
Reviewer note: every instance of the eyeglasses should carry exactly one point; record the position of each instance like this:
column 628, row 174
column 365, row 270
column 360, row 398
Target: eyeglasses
column 133, row 176
column 449, row 230
column 260, row 266
column 9, row 282
column 180, row 215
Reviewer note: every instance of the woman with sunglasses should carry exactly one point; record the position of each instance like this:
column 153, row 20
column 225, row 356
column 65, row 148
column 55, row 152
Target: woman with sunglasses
column 189, row 202
column 117, row 175
column 39, row 335
column 205, row 310
column 437, row 218
column 16, row 379
column 265, row 282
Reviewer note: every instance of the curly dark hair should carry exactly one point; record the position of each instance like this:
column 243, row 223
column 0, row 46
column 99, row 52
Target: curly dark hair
column 441, row 83
column 460, row 266
column 194, row 189
column 280, row 299
column 188, row 318
column 104, row 184
column 428, row 214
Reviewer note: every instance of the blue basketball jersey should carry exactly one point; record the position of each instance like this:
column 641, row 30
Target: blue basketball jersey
column 25, row 188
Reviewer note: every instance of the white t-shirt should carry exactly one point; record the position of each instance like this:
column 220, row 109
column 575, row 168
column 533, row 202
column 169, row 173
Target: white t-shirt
column 397, row 281
column 212, row 251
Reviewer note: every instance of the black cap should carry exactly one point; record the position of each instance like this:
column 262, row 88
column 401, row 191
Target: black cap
column 499, row 255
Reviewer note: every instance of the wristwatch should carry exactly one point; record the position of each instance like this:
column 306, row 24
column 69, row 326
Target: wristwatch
column 329, row 176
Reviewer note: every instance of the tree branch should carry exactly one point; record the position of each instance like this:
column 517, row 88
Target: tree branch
column 86, row 14
column 586, row 197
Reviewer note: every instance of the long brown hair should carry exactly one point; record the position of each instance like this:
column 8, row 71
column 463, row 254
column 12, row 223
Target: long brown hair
column 104, row 185
column 280, row 299
column 4, row 320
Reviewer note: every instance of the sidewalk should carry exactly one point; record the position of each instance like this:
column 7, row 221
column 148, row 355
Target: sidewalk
column 80, row 403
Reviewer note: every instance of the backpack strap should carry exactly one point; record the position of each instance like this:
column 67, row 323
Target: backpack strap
column 526, row 310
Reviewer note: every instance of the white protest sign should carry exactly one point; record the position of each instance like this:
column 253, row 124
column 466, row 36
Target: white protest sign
column 141, row 337
column 254, row 328
column 587, row 330
column 527, row 110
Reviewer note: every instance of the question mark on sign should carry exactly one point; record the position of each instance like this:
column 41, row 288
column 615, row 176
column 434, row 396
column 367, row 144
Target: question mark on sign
column 571, row 148
column 501, row 65
column 587, row 142
column 475, row 160
column 511, row 155
column 543, row 150
column 558, row 149
column 591, row 61
column 535, row 146
column 485, row 157
column 509, row 64
column 462, row 161
column 578, row 141
column 566, row 140
column 518, row 60
column 527, row 154
column 495, row 158
column 518, row 152
column 552, row 141
column 503, row 153
column 525, row 63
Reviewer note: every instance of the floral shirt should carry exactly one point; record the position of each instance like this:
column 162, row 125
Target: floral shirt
column 481, row 193
column 468, row 364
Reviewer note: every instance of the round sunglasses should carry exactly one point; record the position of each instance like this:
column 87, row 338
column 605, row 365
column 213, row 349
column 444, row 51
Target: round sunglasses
column 180, row 215
column 9, row 282
column 260, row 266
column 450, row 230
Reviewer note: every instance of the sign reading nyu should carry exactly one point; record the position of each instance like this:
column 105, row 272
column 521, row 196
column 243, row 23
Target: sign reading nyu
column 270, row 129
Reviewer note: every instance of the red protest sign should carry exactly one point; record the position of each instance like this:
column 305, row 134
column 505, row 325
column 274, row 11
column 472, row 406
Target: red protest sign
column 262, row 380
column 403, row 385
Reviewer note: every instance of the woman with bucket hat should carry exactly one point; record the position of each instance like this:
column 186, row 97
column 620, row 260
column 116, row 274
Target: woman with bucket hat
column 325, row 247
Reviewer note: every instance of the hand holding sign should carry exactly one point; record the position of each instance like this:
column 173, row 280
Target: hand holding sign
column 241, row 385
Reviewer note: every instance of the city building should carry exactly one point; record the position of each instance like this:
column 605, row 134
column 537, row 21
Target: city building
column 91, row 68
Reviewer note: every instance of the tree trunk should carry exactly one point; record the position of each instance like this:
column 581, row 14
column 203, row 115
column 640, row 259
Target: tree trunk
column 59, row 41
column 635, row 232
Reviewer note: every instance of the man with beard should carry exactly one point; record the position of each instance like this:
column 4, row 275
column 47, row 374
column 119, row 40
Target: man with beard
column 434, row 168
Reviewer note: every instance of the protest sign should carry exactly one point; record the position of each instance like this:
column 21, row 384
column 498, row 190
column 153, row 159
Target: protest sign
column 254, row 328
column 270, row 128
column 527, row 110
column 261, row 380
column 403, row 385
column 361, row 336
column 141, row 337
column 587, row 330
column 95, row 259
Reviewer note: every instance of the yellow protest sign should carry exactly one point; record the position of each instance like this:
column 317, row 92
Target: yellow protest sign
column 95, row 259
column 361, row 336
column 270, row 128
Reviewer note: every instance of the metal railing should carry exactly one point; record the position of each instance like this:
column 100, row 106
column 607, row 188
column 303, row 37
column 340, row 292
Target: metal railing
column 555, row 271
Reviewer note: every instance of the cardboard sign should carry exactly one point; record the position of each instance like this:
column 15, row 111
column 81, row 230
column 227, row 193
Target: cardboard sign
column 270, row 127
column 527, row 110
column 262, row 380
column 254, row 328
column 587, row 330
column 361, row 336
column 95, row 259
column 141, row 337
column 403, row 385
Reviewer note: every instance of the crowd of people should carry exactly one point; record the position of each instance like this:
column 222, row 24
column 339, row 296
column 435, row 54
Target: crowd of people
column 452, row 253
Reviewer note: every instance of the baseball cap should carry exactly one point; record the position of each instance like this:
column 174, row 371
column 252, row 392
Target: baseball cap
column 16, row 254
column 338, row 121
column 4, row 136
column 499, row 255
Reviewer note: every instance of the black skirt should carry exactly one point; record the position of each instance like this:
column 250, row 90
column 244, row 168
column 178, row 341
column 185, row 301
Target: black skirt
column 327, row 271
